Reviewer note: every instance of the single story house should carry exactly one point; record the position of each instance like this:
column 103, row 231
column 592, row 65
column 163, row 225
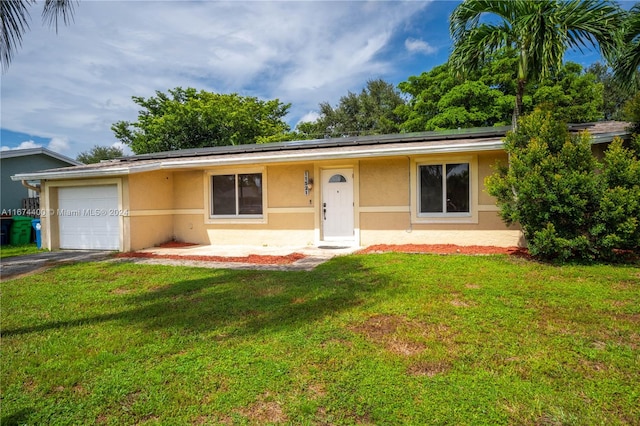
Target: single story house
column 425, row 188
column 13, row 194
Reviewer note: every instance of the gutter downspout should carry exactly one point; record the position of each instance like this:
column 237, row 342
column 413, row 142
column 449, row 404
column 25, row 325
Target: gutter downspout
column 31, row 187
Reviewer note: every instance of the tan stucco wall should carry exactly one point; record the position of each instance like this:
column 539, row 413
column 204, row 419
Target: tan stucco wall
column 384, row 182
column 151, row 202
column 149, row 231
column 486, row 167
column 401, row 221
column 167, row 205
column 151, row 191
column 188, row 190
column 285, row 186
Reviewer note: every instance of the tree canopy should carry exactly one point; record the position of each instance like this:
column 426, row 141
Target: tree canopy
column 439, row 100
column 372, row 111
column 627, row 59
column 539, row 31
column 99, row 153
column 187, row 118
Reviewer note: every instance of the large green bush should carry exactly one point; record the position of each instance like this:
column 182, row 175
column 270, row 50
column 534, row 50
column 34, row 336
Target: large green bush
column 569, row 205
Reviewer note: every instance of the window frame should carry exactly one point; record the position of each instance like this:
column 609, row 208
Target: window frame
column 237, row 217
column 444, row 217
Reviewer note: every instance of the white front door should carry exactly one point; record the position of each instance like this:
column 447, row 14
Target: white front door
column 337, row 204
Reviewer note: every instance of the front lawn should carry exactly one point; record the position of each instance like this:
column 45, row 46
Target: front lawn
column 10, row 251
column 363, row 339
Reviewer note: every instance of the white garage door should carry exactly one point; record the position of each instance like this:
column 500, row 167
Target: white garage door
column 87, row 217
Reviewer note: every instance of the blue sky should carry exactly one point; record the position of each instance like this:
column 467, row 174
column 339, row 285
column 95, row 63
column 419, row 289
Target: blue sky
column 63, row 91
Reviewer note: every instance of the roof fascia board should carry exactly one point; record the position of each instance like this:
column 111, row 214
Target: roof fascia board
column 79, row 174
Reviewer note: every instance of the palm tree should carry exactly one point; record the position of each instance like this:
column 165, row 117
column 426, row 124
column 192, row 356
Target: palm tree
column 540, row 31
column 15, row 22
column 627, row 61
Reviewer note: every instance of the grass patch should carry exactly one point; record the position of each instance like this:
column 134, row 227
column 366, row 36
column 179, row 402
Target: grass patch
column 11, row 251
column 362, row 339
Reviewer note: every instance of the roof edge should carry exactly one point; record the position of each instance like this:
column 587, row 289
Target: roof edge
column 13, row 153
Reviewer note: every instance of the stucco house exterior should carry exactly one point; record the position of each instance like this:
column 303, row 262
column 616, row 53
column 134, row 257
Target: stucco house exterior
column 16, row 161
column 425, row 188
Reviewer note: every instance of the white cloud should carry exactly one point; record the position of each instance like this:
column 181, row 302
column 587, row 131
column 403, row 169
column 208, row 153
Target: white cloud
column 311, row 116
column 59, row 145
column 23, row 145
column 76, row 84
column 420, row 46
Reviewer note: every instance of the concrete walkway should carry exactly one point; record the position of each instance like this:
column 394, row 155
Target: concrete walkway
column 19, row 266
column 314, row 256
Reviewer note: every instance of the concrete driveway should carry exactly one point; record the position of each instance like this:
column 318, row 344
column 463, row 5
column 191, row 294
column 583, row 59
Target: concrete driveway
column 13, row 267
column 18, row 266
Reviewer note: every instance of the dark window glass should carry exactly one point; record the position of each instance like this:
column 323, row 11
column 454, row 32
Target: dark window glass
column 224, row 195
column 235, row 195
column 250, row 193
column 431, row 189
column 337, row 179
column 458, row 188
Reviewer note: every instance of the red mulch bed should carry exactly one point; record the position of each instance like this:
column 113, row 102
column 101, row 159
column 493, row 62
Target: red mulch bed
column 252, row 258
column 445, row 249
column 176, row 244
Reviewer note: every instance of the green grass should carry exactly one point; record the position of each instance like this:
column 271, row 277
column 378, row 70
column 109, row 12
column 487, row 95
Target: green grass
column 10, row 251
column 363, row 339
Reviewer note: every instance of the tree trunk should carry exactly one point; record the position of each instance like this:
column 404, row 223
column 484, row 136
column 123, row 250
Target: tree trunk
column 517, row 109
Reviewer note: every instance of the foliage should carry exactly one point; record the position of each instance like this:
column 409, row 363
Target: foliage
column 99, row 153
column 539, row 31
column 15, row 22
column 486, row 97
column 375, row 339
column 11, row 251
column 631, row 112
column 372, row 111
column 567, row 203
column 627, row 59
column 186, row 118
column 615, row 95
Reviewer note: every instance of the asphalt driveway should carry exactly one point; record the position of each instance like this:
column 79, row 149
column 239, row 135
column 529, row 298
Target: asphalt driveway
column 16, row 266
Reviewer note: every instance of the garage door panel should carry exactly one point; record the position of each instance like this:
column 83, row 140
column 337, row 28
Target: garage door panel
column 87, row 220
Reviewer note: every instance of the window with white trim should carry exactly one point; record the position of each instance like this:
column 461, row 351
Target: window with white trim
column 236, row 195
column 444, row 189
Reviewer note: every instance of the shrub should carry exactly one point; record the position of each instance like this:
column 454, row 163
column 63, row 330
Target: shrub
column 568, row 204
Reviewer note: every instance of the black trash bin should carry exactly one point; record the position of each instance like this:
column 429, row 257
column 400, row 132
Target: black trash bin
column 5, row 229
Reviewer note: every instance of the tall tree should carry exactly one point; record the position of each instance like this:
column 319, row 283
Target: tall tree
column 628, row 59
column 372, row 111
column 99, row 153
column 15, row 22
column 540, row 31
column 615, row 94
column 187, row 118
column 486, row 97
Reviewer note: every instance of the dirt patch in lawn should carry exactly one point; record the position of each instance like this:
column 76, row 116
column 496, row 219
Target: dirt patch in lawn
column 445, row 249
column 252, row 258
column 404, row 336
column 264, row 411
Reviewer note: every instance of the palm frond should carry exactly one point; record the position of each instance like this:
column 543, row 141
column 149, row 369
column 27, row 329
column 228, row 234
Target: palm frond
column 15, row 21
column 55, row 9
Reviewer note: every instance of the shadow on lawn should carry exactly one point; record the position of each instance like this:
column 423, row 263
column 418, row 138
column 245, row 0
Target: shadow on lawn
column 237, row 303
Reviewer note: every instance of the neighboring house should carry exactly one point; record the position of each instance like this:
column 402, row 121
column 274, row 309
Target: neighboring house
column 423, row 188
column 17, row 161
